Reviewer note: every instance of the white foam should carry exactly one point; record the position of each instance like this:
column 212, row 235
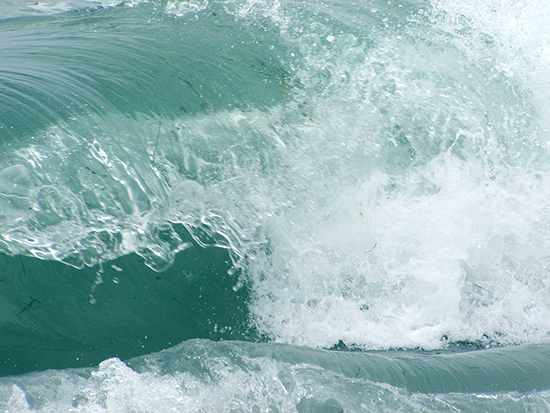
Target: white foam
column 441, row 234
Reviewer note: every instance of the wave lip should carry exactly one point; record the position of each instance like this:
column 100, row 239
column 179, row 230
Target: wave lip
column 90, row 116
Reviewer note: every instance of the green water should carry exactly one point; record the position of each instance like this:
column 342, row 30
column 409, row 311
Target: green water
column 55, row 316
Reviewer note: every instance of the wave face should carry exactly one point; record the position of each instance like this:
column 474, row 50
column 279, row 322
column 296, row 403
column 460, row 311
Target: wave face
column 299, row 178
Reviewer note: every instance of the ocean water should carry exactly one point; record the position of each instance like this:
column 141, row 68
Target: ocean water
column 275, row 206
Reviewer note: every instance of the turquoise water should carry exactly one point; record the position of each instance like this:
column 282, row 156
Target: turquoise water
column 251, row 206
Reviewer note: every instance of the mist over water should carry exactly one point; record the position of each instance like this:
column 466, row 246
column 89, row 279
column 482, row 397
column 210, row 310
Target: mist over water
column 342, row 175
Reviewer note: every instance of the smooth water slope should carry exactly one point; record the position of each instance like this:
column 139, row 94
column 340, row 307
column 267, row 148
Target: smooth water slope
column 351, row 195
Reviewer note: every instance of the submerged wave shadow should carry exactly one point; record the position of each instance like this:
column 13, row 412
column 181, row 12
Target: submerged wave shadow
column 56, row 316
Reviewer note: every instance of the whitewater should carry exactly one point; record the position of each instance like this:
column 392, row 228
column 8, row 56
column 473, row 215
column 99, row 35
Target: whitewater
column 274, row 206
